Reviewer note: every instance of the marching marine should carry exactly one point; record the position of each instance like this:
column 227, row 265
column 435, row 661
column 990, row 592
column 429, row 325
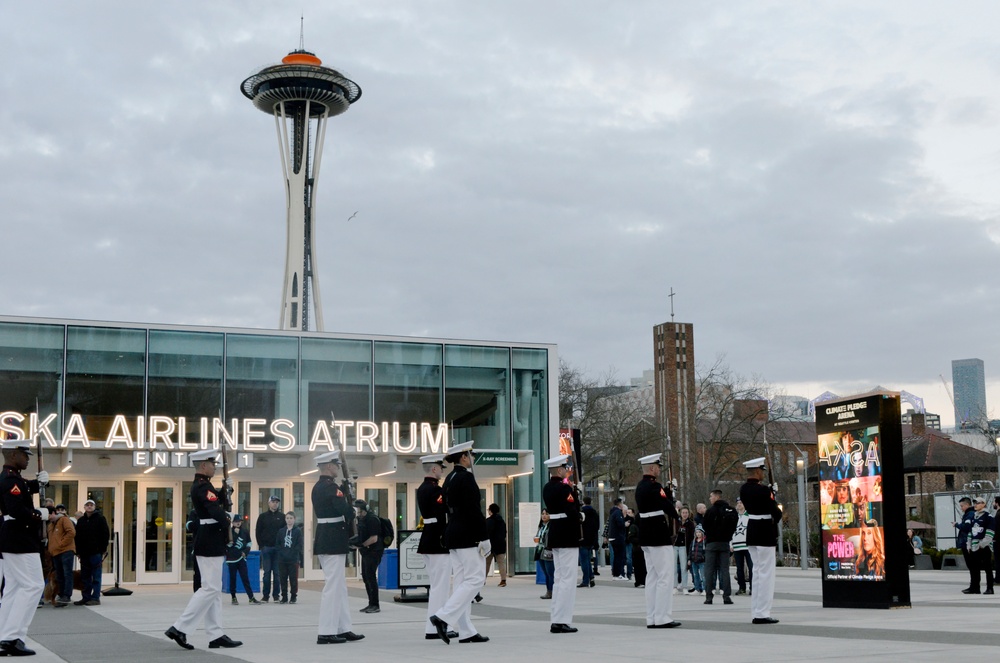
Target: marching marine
column 565, row 534
column 430, row 499
column 334, row 515
column 210, row 539
column 655, row 505
column 762, row 538
column 20, row 543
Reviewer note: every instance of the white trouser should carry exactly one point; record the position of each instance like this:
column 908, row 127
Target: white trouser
column 470, row 575
column 334, row 608
column 439, row 570
column 206, row 602
column 659, row 584
column 681, row 561
column 763, row 580
column 566, row 561
column 25, row 583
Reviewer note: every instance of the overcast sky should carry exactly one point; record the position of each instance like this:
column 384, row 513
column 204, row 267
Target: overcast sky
column 817, row 181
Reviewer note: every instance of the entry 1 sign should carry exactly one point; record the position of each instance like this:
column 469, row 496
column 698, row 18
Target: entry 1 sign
column 862, row 510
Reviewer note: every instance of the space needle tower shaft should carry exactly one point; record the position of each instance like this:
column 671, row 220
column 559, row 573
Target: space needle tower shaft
column 302, row 95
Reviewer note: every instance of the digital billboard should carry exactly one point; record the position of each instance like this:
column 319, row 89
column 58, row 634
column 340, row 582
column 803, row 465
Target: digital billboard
column 861, row 503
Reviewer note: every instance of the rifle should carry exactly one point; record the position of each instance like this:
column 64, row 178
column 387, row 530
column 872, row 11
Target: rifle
column 349, row 491
column 767, row 456
column 227, row 491
column 44, row 536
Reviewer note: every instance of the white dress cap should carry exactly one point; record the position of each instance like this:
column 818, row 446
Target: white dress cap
column 328, row 457
column 755, row 463
column 17, row 444
column 558, row 461
column 433, row 458
column 207, row 454
column 651, row 459
column 460, row 448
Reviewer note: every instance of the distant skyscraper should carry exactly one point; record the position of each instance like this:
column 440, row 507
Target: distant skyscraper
column 674, row 391
column 969, row 379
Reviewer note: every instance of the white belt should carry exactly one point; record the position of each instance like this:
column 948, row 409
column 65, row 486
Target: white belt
column 429, row 521
column 207, row 521
column 556, row 516
column 8, row 517
column 327, row 521
column 650, row 514
column 757, row 516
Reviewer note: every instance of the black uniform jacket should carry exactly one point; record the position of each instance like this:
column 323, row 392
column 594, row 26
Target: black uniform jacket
column 650, row 497
column 210, row 538
column 22, row 534
column 330, row 501
column 559, row 498
column 466, row 522
column 758, row 499
column 430, row 499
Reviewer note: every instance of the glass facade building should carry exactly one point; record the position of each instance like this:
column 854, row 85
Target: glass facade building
column 117, row 407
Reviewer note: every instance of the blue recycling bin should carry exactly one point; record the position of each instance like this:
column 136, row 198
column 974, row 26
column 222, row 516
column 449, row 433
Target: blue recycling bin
column 253, row 568
column 388, row 569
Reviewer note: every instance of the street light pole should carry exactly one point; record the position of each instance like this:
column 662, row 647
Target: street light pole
column 800, row 465
column 600, row 501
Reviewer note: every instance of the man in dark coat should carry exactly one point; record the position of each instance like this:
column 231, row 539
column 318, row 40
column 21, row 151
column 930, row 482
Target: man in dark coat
column 762, row 538
column 334, row 515
column 565, row 535
column 289, row 546
column 92, row 538
column 591, row 530
column 720, row 524
column 371, row 548
column 210, row 553
column 468, row 545
column 430, row 499
column 20, row 543
column 657, row 513
column 268, row 525
column 617, row 538
column 496, row 531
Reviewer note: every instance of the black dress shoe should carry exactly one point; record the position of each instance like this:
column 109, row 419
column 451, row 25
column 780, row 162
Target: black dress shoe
column 435, row 636
column 479, row 597
column 988, row 591
column 329, row 640
column 727, row 600
column 583, row 584
column 15, row 648
column 476, row 638
column 673, row 624
column 593, row 584
column 708, row 601
column 176, row 636
column 969, row 590
column 562, row 628
column 442, row 629
column 765, row 620
column 350, row 636
column 224, row 641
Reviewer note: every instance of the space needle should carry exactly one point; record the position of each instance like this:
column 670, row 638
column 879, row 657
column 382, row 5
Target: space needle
column 301, row 94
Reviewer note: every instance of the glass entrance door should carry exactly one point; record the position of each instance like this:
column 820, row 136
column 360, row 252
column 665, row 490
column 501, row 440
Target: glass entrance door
column 159, row 523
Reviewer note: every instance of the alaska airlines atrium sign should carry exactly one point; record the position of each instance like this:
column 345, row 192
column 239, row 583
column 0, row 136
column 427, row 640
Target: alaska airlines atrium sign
column 177, row 433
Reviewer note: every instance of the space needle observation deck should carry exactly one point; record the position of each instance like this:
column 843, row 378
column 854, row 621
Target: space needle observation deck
column 301, row 94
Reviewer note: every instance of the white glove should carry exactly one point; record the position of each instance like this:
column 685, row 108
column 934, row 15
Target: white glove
column 43, row 477
column 485, row 548
column 583, row 516
column 774, row 487
column 229, row 482
column 45, row 513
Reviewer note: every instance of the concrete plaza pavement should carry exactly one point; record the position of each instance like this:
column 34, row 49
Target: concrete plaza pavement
column 943, row 623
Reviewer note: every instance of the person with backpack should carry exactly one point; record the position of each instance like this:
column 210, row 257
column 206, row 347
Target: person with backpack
column 720, row 525
column 371, row 546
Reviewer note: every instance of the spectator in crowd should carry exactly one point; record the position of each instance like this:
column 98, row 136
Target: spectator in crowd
column 371, row 546
column 616, row 538
column 697, row 559
column 638, row 557
column 744, row 564
column 720, row 524
column 978, row 542
column 682, row 543
column 699, row 513
column 236, row 560
column 92, row 538
column 269, row 524
column 289, row 548
column 496, row 531
column 543, row 554
column 629, row 520
column 964, row 527
column 62, row 549
column 591, row 531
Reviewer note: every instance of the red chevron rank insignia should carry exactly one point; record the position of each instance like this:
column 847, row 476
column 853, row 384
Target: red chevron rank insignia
column 212, row 497
column 569, row 498
column 15, row 490
column 339, row 494
column 440, row 499
column 662, row 494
